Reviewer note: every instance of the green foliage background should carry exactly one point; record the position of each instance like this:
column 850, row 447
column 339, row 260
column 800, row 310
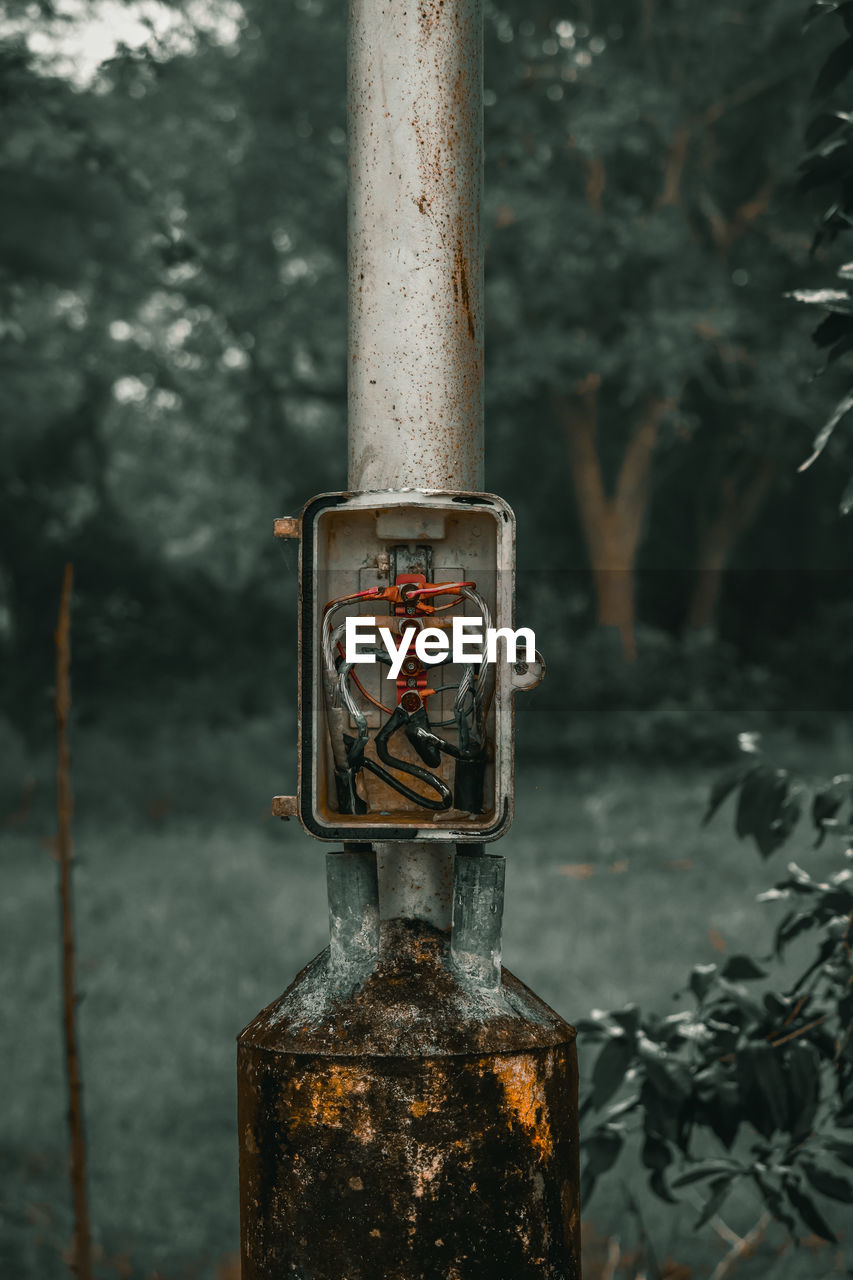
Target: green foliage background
column 172, row 376
column 172, row 366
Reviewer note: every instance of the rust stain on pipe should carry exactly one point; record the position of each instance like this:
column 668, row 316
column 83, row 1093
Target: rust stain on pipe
column 416, row 263
column 418, row 1129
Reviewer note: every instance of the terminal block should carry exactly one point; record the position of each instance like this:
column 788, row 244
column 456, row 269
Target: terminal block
column 409, row 658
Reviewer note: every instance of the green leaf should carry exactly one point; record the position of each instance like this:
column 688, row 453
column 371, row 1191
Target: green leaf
column 846, row 504
column 763, row 1086
column 800, row 881
column 822, row 438
column 772, row 1079
column 752, row 802
column 778, row 1006
column 592, row 1028
column 824, row 125
column 834, row 300
column 842, row 1151
column 670, row 1078
column 720, row 1189
column 831, row 329
column 725, row 1113
column 809, row 1212
column 836, row 69
column 742, row 968
column 829, row 1184
column 628, row 1019
column 768, row 808
column 842, row 348
column 661, row 1116
column 803, row 1068
column 657, row 1182
column 819, row 9
column 623, row 1107
column 656, row 1152
column 829, row 798
column 784, row 824
column 726, row 784
column 773, row 1199
column 609, row 1070
column 602, row 1150
column 707, row 1169
column 701, row 979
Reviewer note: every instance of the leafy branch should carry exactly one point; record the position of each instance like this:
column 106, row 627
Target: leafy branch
column 762, row 1081
column 827, row 170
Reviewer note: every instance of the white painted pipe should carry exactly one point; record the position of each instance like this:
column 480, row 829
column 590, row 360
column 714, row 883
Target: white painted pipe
column 415, row 267
column 415, row 373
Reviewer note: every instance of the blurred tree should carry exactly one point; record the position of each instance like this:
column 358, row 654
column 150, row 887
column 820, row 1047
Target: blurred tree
column 172, row 271
column 827, row 173
column 174, row 337
column 638, row 250
column 72, row 240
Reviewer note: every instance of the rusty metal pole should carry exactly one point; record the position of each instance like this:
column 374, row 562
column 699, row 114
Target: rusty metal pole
column 415, row 375
column 408, row 1108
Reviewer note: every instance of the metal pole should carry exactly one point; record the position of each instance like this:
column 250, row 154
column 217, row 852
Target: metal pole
column 415, row 265
column 415, row 97
column 408, row 1109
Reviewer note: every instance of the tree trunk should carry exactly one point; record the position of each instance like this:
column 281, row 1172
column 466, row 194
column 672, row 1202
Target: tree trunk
column 613, row 580
column 612, row 524
column 707, row 588
column 739, row 504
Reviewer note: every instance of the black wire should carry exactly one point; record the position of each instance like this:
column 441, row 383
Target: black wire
column 424, row 801
column 392, row 725
column 447, row 688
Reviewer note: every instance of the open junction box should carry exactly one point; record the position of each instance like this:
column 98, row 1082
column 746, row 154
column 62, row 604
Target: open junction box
column 426, row 753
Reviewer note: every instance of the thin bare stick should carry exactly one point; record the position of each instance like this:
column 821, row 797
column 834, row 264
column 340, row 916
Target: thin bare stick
column 792, row 1035
column 743, row 1249
column 614, row 1257
column 81, row 1251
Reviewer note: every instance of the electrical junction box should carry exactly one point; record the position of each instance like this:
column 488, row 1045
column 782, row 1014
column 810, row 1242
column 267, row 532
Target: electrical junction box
column 405, row 726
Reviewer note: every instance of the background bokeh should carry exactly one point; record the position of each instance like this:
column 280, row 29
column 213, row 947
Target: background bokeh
column 172, row 377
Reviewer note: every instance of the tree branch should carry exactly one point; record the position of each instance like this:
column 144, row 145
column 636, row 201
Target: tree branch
column 726, row 232
column 632, row 483
column 82, row 1244
column 596, row 181
column 676, row 159
column 743, row 1249
column 578, row 417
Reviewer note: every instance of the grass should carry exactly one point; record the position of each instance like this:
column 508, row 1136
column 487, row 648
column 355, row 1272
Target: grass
column 189, row 925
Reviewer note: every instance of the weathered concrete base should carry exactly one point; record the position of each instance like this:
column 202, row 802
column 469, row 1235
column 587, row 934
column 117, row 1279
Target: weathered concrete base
column 420, row 1128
